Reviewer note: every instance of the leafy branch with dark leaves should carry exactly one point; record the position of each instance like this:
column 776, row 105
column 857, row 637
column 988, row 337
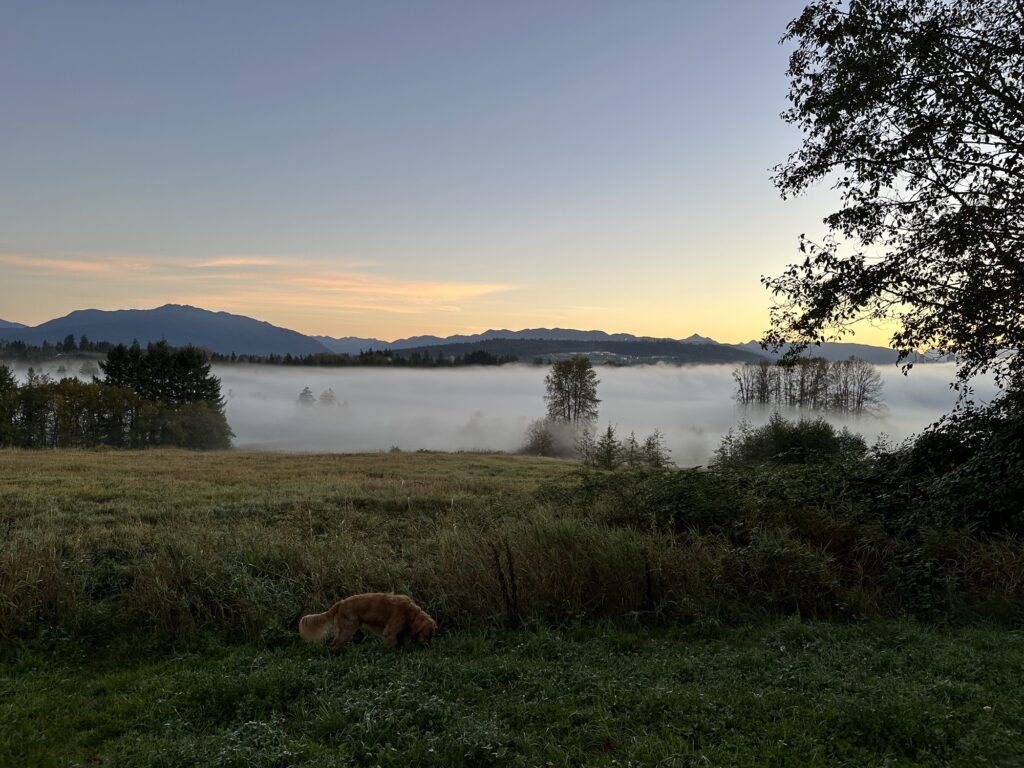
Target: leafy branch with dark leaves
column 913, row 110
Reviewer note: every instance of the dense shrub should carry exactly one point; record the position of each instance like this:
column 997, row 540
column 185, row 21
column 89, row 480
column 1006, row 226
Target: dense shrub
column 965, row 471
column 789, row 442
column 547, row 437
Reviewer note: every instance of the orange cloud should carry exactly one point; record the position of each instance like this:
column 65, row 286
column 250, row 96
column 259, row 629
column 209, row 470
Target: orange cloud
column 96, row 265
column 420, row 292
column 54, row 265
column 265, row 286
column 238, row 261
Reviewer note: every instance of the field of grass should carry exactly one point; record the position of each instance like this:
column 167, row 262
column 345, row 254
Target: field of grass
column 148, row 604
column 784, row 694
column 181, row 541
column 177, row 543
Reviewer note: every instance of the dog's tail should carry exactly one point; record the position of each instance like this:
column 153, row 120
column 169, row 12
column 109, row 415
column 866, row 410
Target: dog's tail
column 314, row 627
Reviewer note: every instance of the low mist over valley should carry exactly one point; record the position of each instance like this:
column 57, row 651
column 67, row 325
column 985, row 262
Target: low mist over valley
column 489, row 408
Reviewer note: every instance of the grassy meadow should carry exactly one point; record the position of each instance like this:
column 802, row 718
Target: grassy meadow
column 782, row 694
column 148, row 603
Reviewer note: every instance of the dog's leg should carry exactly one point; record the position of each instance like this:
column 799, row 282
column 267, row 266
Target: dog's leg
column 346, row 631
column 393, row 630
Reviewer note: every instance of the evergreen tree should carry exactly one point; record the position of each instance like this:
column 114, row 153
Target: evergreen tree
column 8, row 406
column 654, row 453
column 608, row 452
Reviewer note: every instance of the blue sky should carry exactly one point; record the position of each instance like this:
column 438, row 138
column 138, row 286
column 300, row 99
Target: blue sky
column 391, row 168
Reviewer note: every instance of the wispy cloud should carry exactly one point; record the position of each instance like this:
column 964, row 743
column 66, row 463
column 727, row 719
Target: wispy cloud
column 238, row 261
column 39, row 263
column 98, row 265
column 345, row 294
column 269, row 286
column 421, row 292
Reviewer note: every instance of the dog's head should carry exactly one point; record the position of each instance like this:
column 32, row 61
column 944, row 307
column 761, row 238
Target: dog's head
column 423, row 628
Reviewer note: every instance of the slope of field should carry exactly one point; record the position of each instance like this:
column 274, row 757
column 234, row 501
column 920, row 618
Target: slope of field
column 99, row 543
column 148, row 603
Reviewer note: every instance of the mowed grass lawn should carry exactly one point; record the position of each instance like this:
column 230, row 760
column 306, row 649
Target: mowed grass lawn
column 123, row 577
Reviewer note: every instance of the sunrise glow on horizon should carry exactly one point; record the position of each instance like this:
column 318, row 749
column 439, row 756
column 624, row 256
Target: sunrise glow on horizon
column 389, row 170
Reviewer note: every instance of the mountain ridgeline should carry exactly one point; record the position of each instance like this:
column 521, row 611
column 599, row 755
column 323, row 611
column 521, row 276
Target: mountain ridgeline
column 228, row 334
column 176, row 324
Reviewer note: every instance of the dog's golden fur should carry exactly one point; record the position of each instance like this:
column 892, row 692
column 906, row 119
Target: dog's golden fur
column 395, row 618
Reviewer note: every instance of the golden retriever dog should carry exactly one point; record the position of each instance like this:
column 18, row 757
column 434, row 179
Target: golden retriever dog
column 396, row 618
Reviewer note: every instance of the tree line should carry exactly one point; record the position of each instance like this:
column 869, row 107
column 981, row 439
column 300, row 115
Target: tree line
column 845, row 386
column 157, row 396
column 19, row 350
column 371, row 357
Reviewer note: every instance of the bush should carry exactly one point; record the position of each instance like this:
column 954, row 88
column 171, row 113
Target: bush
column 965, row 471
column 546, row 437
column 789, row 442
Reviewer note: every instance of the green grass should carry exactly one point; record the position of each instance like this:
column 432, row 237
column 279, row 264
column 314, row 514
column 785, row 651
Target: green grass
column 784, row 694
column 104, row 543
column 148, row 603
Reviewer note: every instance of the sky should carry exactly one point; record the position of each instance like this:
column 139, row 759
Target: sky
column 395, row 168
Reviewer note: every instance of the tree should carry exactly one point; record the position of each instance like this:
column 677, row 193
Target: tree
column 179, row 398
column 8, row 406
column 540, row 439
column 914, row 111
column 850, row 386
column 163, row 373
column 607, row 452
column 572, row 391
column 327, row 397
column 306, row 397
column 654, row 452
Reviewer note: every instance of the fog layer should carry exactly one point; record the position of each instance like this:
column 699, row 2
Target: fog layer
column 489, row 408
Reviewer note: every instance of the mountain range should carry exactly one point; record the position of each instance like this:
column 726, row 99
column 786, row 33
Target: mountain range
column 354, row 344
column 226, row 333
column 177, row 324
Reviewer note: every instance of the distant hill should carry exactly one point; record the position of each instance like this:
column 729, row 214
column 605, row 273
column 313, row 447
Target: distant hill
column 178, row 325
column 226, row 333
column 355, row 344
column 841, row 351
column 556, row 334
column 350, row 345
column 697, row 339
column 631, row 352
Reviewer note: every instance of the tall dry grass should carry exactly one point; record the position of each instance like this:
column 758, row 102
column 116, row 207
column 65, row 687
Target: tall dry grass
column 99, row 544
